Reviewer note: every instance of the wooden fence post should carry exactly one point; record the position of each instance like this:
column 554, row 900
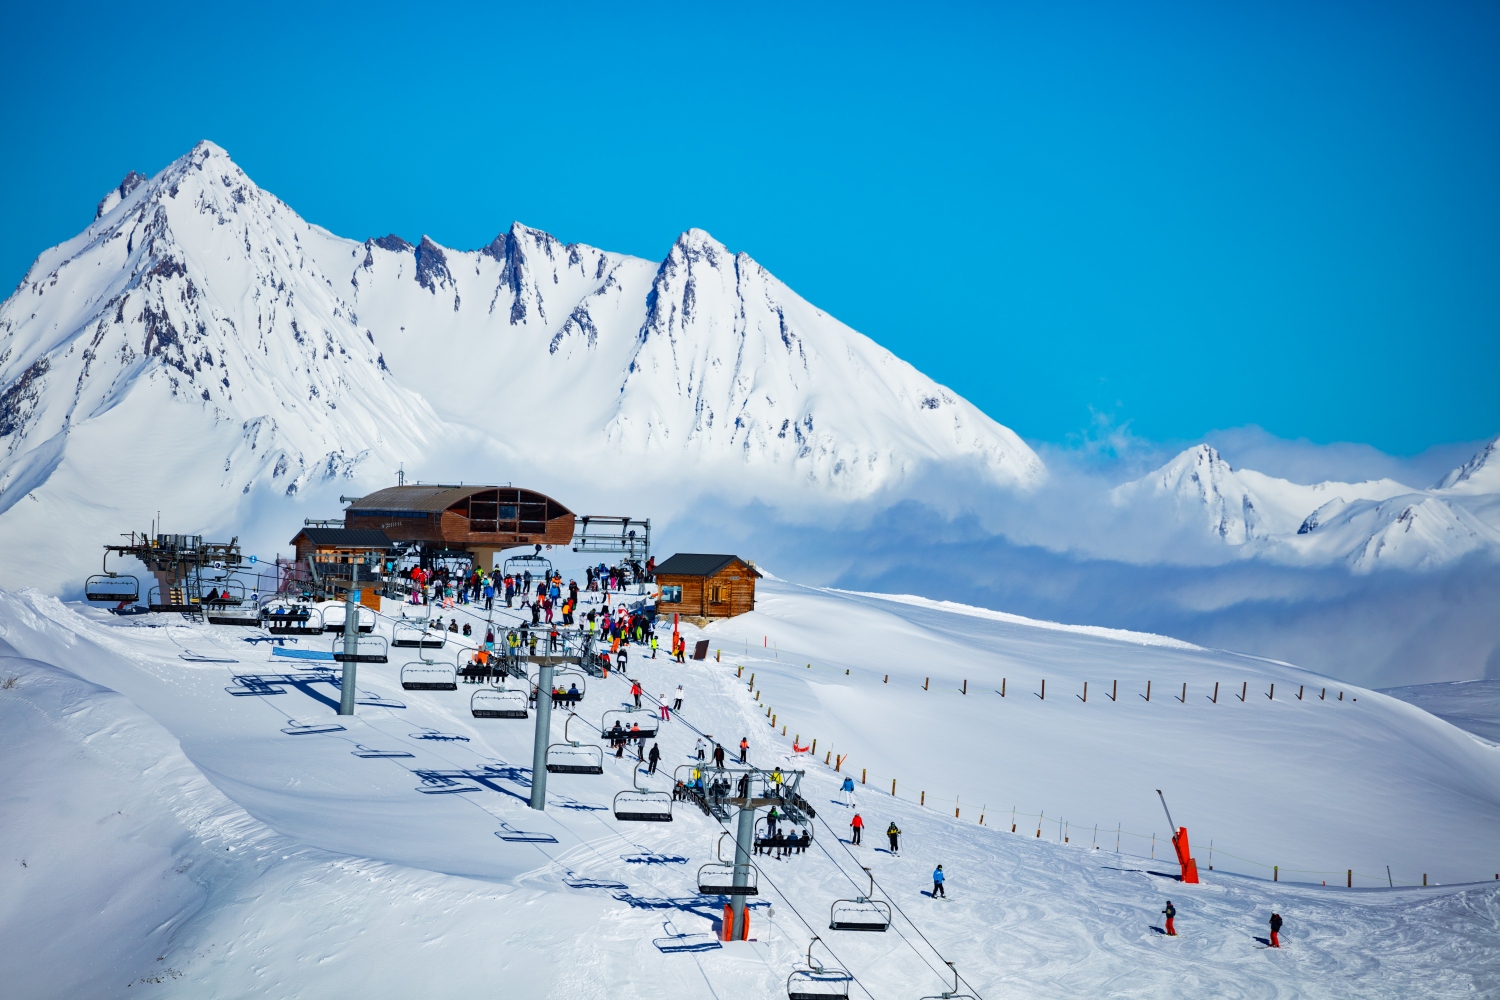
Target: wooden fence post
column 1044, row 689
column 924, row 799
column 1272, row 695
column 887, row 679
column 814, row 750
column 924, row 682
column 1002, row 687
column 893, row 788
column 1275, row 873
column 1085, row 692
column 966, row 685
column 1216, row 692
column 1349, row 884
column 1148, row 690
column 1114, row 691
column 1299, row 691
column 1244, row 689
column 862, row 772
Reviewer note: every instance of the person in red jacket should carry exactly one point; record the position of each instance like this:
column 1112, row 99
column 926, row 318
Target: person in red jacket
column 858, row 825
column 635, row 692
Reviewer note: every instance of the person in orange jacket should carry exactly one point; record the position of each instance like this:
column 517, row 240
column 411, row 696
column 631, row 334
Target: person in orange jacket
column 858, row 825
column 635, row 692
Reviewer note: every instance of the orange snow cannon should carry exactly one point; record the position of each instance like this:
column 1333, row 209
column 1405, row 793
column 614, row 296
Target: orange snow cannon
column 1180, row 845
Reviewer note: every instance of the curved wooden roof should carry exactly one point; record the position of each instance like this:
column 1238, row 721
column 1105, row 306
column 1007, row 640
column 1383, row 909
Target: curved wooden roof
column 470, row 517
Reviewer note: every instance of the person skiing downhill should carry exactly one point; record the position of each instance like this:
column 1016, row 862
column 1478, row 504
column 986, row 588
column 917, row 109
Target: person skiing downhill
column 654, row 757
column 635, row 690
column 894, row 832
column 744, row 748
column 718, row 756
column 1275, row 930
column 665, row 711
column 1170, row 913
column 937, row 883
column 848, row 789
column 857, row 824
column 677, row 702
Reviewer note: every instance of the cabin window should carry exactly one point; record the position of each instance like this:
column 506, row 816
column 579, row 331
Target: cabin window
column 718, row 595
column 671, row 595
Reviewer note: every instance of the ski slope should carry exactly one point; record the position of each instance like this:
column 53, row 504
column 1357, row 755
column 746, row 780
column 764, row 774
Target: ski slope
column 175, row 839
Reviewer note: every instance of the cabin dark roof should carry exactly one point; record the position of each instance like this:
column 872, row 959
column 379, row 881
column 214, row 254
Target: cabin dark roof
column 431, row 498
column 696, row 564
column 345, row 538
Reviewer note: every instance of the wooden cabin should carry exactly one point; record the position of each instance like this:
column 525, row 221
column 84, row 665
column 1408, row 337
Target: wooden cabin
column 702, row 586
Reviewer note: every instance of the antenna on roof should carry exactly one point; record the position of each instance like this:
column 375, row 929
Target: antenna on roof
column 401, row 475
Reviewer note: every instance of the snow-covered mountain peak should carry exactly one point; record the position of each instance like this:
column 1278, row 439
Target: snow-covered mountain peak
column 1480, row 474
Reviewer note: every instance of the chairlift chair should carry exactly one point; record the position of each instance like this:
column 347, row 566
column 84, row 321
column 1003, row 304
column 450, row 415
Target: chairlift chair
column 333, row 617
column 717, row 879
column 573, row 757
column 226, row 593
column 426, row 675
column 954, row 994
column 372, row 649
column 116, row 588
column 816, row 981
column 863, row 913
column 762, row 836
column 499, row 703
column 414, row 634
column 563, row 679
column 296, row 619
column 540, row 567
column 641, row 805
column 176, row 600
column 628, row 717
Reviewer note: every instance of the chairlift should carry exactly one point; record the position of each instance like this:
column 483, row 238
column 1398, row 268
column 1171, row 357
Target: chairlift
column 414, row 634
column 717, row 879
column 864, row 913
column 334, row 616
column 370, row 650
column 499, row 703
column 292, row 619
column 627, row 717
column 816, row 981
column 954, row 994
column 562, row 680
column 176, row 600
column 222, row 593
column 115, row 588
column 540, row 567
column 573, row 757
column 425, row 675
column 641, row 805
column 764, row 840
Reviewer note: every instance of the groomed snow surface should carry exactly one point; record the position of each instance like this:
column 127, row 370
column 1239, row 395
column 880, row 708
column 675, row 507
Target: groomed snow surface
column 165, row 837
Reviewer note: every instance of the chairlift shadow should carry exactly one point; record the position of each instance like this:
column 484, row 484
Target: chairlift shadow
column 645, row 857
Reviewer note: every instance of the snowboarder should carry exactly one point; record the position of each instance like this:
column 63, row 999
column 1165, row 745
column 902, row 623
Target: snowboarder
column 744, row 749
column 1171, row 914
column 1275, row 930
column 655, row 756
column 857, row 824
column 676, row 702
column 937, row 883
column 848, row 789
column 894, row 832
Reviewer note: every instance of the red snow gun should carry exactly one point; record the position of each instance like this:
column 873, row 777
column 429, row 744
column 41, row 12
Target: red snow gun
column 1180, row 845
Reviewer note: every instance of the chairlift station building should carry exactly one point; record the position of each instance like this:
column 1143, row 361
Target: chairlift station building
column 481, row 520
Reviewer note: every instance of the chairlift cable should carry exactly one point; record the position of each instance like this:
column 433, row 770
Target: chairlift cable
column 903, row 913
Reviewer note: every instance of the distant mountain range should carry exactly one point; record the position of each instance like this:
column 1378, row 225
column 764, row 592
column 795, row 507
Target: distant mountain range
column 201, row 347
column 1366, row 525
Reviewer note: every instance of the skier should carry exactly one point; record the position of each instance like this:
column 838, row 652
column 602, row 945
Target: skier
column 719, row 756
column 937, row 883
column 857, row 824
column 655, row 756
column 894, row 832
column 624, row 657
column 848, row 789
column 744, row 749
column 1171, row 914
column 677, row 702
column 665, row 711
column 701, row 748
column 653, row 645
column 635, row 689
column 1275, row 930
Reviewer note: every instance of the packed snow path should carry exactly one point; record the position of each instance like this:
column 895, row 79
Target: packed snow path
column 300, row 869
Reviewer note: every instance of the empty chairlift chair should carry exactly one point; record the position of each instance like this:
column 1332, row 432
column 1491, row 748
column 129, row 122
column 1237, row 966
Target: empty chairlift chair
column 573, row 757
column 641, row 805
column 951, row 994
column 425, row 675
column 370, row 649
column 816, row 981
column 717, row 879
column 499, row 703
column 114, row 588
column 414, row 634
column 333, row 617
column 863, row 913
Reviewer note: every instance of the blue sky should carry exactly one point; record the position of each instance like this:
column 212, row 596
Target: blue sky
column 1167, row 217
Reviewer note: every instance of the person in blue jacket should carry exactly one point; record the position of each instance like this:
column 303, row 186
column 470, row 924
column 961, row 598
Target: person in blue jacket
column 937, row 883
